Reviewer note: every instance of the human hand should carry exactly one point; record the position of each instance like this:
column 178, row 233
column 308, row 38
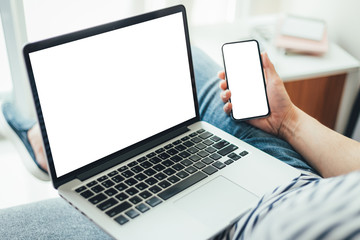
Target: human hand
column 282, row 109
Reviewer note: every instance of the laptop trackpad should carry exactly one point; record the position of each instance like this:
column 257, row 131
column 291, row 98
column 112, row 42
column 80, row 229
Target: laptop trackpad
column 217, row 202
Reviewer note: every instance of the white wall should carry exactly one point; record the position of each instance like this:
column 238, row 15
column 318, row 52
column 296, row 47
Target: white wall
column 343, row 19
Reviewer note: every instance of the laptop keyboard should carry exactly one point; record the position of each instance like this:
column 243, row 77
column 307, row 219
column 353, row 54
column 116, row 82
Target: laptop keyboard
column 142, row 184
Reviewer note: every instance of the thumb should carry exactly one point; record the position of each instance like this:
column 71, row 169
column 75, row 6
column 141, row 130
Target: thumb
column 269, row 68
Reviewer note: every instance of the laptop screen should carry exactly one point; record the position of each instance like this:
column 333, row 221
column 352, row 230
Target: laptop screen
column 106, row 92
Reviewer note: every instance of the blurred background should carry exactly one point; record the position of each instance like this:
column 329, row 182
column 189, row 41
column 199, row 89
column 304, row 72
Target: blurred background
column 322, row 76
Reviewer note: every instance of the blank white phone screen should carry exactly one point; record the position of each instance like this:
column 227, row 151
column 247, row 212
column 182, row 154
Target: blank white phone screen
column 245, row 79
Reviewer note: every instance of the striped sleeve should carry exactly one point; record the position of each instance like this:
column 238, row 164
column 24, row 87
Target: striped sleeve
column 307, row 208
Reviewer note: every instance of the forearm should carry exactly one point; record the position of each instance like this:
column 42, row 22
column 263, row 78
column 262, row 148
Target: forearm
column 327, row 151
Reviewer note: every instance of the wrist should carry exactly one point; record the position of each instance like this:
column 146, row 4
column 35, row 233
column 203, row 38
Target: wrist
column 290, row 124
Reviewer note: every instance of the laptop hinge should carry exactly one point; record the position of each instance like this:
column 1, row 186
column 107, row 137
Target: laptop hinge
column 109, row 164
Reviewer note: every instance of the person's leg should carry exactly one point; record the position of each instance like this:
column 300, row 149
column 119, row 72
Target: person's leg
column 25, row 135
column 49, row 219
column 211, row 111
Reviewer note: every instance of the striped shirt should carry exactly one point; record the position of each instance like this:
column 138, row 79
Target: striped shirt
column 307, row 208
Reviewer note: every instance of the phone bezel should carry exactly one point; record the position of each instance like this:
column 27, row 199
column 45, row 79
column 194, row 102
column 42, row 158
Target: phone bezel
column 263, row 76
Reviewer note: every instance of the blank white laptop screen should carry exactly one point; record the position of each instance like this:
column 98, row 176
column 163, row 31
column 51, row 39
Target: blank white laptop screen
column 104, row 93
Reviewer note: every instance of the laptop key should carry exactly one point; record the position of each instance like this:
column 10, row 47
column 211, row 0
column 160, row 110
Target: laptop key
column 113, row 173
column 107, row 204
column 145, row 194
column 160, row 150
column 92, row 183
column 150, row 172
column 131, row 182
column 218, row 165
column 159, row 167
column 132, row 191
column 146, row 164
column 108, row 183
column 169, row 171
column 225, row 151
column 196, row 139
column 228, row 162
column 177, row 142
column 200, row 146
column 155, row 189
column 98, row 198
column 215, row 156
column 87, row 194
column 200, row 131
column 155, row 160
column 137, row 169
column 173, row 179
column 132, row 213
column 182, row 174
column 97, row 188
column 180, row 147
column 210, row 150
column 186, row 162
column 176, row 158
column 118, row 209
column 135, row 200
column 208, row 142
column 221, row 144
column 190, row 169
column 178, row 167
column 215, row 138
column 132, row 164
column 117, row 178
column 188, row 143
column 121, row 196
column 194, row 158
column 184, row 154
column 154, row 201
column 209, row 170
column 121, row 187
column 121, row 220
column 168, row 163
column 103, row 178
column 164, row 156
column 151, row 181
column 164, row 184
column 111, row 191
column 142, row 207
column 127, row 173
column 141, row 186
column 160, row 176
column 244, row 153
column 80, row 189
column 205, row 135
column 180, row 186
column 234, row 156
column 140, row 176
column 199, row 165
column 207, row 160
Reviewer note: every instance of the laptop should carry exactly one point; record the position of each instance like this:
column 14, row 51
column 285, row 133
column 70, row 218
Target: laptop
column 119, row 118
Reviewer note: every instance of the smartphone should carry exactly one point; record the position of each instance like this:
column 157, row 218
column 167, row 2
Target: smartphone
column 245, row 78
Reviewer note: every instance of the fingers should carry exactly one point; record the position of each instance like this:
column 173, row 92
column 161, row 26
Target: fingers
column 225, row 95
column 221, row 75
column 223, row 85
column 227, row 107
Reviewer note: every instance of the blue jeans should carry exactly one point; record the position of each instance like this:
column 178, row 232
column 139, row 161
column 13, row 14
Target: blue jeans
column 55, row 219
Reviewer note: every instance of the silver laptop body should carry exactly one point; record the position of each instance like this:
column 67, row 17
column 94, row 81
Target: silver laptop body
column 119, row 117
